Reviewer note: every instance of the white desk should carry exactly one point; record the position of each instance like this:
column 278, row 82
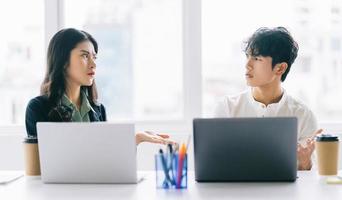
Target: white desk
column 308, row 186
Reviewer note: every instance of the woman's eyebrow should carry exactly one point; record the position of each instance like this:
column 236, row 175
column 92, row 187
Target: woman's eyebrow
column 87, row 52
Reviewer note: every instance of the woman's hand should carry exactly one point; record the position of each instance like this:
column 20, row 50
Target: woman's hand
column 148, row 136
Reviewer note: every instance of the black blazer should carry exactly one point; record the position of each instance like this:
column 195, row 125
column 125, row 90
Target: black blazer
column 38, row 110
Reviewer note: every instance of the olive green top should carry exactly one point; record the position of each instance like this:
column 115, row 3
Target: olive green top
column 78, row 115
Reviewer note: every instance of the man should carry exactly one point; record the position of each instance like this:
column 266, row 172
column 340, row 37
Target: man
column 270, row 54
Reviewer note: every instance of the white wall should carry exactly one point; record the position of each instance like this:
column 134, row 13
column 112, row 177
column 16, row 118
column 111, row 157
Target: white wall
column 11, row 151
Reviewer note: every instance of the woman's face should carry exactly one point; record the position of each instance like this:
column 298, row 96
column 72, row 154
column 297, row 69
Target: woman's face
column 81, row 69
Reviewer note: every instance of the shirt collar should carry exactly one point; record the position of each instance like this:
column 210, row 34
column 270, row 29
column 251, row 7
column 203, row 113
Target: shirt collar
column 85, row 104
column 273, row 105
column 66, row 101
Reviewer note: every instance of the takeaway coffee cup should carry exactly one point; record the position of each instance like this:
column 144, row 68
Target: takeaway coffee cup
column 32, row 166
column 327, row 154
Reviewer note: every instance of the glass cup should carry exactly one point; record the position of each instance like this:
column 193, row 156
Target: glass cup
column 171, row 171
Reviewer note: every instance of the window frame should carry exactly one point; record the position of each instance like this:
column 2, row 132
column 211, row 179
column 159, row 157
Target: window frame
column 192, row 66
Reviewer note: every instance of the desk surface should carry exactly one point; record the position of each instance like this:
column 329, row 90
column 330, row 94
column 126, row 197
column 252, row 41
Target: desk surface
column 308, row 186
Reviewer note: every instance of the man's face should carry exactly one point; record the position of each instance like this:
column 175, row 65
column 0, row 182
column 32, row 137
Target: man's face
column 259, row 71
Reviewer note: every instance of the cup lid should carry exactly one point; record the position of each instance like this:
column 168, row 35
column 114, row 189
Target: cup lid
column 326, row 137
column 31, row 139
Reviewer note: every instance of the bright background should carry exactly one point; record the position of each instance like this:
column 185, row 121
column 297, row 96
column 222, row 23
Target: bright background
column 163, row 62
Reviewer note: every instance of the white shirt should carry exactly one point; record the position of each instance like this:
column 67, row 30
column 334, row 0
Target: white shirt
column 244, row 105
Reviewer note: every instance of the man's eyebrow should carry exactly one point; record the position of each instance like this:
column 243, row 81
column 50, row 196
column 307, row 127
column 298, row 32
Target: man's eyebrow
column 85, row 51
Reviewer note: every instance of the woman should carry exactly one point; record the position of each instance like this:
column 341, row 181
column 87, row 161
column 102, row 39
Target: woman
column 68, row 92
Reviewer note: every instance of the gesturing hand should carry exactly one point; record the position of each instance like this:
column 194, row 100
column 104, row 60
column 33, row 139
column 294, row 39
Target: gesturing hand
column 304, row 153
column 148, row 136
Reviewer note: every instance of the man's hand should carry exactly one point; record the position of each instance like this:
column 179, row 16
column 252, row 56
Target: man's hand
column 304, row 153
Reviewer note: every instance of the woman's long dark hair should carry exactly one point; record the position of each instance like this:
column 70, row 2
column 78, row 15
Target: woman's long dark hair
column 58, row 57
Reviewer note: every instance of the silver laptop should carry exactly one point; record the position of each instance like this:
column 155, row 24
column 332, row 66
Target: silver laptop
column 96, row 152
column 245, row 149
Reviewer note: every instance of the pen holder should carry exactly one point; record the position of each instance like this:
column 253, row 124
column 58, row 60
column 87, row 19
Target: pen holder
column 171, row 171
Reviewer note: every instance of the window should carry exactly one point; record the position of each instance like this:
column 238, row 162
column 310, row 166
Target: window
column 22, row 57
column 168, row 60
column 316, row 75
column 140, row 54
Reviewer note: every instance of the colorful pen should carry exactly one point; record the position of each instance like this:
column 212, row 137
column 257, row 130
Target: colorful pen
column 181, row 155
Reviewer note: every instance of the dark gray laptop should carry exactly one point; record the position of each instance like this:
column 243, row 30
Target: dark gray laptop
column 245, row 149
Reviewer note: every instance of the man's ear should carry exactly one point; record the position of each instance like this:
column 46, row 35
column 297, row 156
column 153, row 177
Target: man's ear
column 280, row 68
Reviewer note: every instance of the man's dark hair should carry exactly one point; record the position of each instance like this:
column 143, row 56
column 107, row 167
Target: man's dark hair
column 274, row 42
